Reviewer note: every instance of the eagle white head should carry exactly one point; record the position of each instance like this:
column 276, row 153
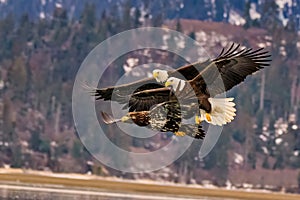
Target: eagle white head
column 174, row 82
column 160, row 75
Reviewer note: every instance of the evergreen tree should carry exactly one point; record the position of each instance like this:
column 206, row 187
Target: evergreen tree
column 18, row 76
column 88, row 17
column 265, row 163
column 219, row 10
column 270, row 16
column 247, row 17
column 298, row 179
column 77, row 149
column 178, row 25
column 7, row 26
column 126, row 20
column 137, row 16
column 17, row 157
column 35, row 140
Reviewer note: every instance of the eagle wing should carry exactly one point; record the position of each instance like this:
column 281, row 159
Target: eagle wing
column 146, row 99
column 125, row 89
column 229, row 69
column 188, row 72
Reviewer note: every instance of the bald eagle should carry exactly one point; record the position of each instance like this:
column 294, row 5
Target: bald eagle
column 217, row 111
column 164, row 117
column 232, row 65
column 232, row 68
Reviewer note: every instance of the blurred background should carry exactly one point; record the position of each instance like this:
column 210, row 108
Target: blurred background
column 44, row 42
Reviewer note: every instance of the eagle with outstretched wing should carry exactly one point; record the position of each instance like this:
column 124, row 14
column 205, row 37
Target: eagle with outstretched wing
column 198, row 81
column 164, row 117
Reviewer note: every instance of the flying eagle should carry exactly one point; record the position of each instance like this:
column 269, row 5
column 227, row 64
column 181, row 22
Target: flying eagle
column 149, row 96
column 217, row 111
column 164, row 117
column 233, row 68
column 232, row 65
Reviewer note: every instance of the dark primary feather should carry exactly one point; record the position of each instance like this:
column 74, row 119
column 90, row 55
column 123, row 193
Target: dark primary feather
column 144, row 100
column 232, row 67
column 125, row 89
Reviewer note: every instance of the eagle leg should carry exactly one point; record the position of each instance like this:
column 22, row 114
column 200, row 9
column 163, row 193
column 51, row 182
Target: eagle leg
column 198, row 119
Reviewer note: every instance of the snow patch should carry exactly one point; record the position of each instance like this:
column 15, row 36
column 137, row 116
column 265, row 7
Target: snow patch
column 42, row 15
column 281, row 3
column 292, row 118
column 278, row 141
column 1, row 84
column 43, row 2
column 58, row 5
column 253, row 13
column 280, row 127
column 130, row 63
column 294, row 127
column 238, row 158
column 180, row 42
column 265, row 150
column 236, row 19
column 261, row 45
column 282, row 51
column 181, row 5
column 201, row 35
column 263, row 138
column 298, row 45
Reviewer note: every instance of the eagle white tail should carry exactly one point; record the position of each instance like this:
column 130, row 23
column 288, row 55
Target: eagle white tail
column 223, row 111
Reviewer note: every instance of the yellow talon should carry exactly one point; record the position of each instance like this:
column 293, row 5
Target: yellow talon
column 180, row 133
column 198, row 119
column 208, row 117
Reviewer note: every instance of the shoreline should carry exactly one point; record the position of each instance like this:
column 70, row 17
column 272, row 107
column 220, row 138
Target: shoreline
column 57, row 180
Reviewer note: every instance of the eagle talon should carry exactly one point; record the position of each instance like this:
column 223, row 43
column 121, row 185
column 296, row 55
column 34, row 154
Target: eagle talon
column 180, row 133
column 198, row 119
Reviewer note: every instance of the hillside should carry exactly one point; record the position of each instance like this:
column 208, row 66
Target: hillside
column 39, row 61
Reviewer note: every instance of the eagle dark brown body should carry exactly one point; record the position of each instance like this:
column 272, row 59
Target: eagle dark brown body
column 141, row 118
column 164, row 117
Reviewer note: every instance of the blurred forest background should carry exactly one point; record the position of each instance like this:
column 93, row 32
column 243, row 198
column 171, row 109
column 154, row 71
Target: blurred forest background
column 44, row 42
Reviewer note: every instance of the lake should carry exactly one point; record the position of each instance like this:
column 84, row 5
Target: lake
column 63, row 193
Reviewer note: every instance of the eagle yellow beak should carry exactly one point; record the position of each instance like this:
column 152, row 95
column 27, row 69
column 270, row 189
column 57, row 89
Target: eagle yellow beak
column 208, row 117
column 155, row 74
column 125, row 118
column 168, row 83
